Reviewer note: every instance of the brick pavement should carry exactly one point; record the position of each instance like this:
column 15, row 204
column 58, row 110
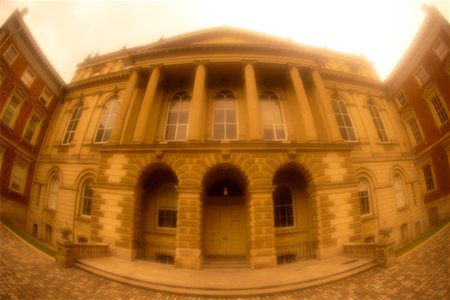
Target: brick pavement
column 26, row 273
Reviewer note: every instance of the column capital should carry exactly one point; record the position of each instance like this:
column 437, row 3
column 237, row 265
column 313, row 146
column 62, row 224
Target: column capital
column 249, row 61
column 293, row 65
column 201, row 62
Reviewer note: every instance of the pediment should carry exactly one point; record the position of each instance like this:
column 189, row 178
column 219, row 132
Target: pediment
column 221, row 36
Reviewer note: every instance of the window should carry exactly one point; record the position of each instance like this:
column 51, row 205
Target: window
column 10, row 55
column 399, row 192
column 416, row 133
column 46, row 97
column 177, row 120
column 19, row 176
column 11, row 110
column 283, row 207
column 369, row 239
column 167, row 206
column 86, row 198
column 421, row 76
column 32, row 126
column 404, row 233
column 224, row 115
column 272, row 116
column 286, row 259
column 53, row 190
column 418, row 228
column 401, row 98
column 73, row 123
column 428, row 177
column 440, row 49
column 107, row 121
column 165, row 259
column 343, row 119
column 378, row 121
column 48, row 233
column 28, row 77
column 2, row 74
column 439, row 110
column 363, row 195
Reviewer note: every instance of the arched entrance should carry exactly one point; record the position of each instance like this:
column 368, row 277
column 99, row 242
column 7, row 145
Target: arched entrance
column 225, row 225
column 156, row 214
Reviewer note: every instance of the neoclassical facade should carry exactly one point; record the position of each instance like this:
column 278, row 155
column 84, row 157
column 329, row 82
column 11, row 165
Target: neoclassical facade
column 226, row 143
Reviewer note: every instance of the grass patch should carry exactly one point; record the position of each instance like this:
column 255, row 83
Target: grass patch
column 425, row 236
column 35, row 243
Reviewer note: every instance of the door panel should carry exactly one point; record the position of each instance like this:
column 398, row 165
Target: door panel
column 225, row 230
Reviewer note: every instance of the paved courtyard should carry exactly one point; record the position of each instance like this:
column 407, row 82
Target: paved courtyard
column 26, row 273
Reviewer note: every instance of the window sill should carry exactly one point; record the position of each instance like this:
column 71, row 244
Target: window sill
column 16, row 192
column 50, row 210
column 401, row 209
column 162, row 230
column 368, row 217
column 84, row 218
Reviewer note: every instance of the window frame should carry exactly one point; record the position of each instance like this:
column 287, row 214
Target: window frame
column 273, row 97
column 178, row 96
column 378, row 121
column 16, row 95
column 401, row 184
column 72, row 124
column 34, row 131
column 159, row 208
column 109, row 115
column 434, row 99
column 367, row 199
column 53, row 187
column 293, row 208
column 23, row 180
column 401, row 99
column 416, row 132
column 441, row 50
column 225, row 110
column 421, row 76
column 46, row 97
column 28, row 77
column 336, row 102
column 86, row 210
column 431, row 176
column 5, row 55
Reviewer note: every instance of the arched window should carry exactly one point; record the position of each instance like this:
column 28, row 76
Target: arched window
column 53, row 190
column 378, row 121
column 178, row 118
column 73, row 123
column 167, row 206
column 86, row 198
column 283, row 207
column 271, row 116
column 343, row 119
column 399, row 191
column 107, row 121
column 224, row 116
column 364, row 197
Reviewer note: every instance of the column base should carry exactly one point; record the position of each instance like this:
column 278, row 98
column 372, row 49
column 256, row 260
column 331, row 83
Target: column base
column 188, row 258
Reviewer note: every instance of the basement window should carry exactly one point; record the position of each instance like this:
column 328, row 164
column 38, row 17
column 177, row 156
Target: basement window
column 165, row 259
column 286, row 259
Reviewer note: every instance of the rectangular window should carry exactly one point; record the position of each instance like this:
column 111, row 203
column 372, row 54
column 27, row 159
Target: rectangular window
column 428, row 177
column 11, row 110
column 401, row 98
column 10, row 55
column 421, row 76
column 441, row 49
column 364, row 202
column 31, row 128
column 28, row 77
column 46, row 97
column 439, row 109
column 415, row 131
column 48, row 233
column 19, row 176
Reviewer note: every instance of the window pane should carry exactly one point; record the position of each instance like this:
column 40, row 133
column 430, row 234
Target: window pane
column 219, row 131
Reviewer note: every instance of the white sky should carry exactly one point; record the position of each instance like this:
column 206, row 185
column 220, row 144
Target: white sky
column 67, row 31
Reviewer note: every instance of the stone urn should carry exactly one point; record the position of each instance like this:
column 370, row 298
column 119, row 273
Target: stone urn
column 65, row 233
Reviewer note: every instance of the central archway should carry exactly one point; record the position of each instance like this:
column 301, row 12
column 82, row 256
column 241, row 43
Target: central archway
column 225, row 225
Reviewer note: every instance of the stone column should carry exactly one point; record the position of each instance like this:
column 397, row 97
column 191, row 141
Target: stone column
column 146, row 107
column 188, row 253
column 307, row 119
column 196, row 113
column 262, row 232
column 326, row 108
column 253, row 113
column 116, row 134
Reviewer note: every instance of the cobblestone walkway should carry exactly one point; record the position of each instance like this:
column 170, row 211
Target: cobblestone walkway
column 26, row 273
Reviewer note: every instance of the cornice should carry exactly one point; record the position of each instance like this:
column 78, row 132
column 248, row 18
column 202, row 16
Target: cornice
column 99, row 79
column 352, row 78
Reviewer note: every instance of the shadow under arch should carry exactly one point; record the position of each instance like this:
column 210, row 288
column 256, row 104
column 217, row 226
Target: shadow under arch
column 155, row 223
column 296, row 234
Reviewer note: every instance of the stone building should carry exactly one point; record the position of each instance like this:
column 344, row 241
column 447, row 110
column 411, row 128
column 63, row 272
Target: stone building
column 420, row 85
column 226, row 143
column 30, row 90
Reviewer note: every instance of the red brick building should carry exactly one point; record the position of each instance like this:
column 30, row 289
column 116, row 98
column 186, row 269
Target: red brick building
column 420, row 85
column 30, row 92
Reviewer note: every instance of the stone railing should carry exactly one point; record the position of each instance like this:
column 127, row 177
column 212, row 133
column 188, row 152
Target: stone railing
column 301, row 250
column 67, row 252
column 383, row 250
